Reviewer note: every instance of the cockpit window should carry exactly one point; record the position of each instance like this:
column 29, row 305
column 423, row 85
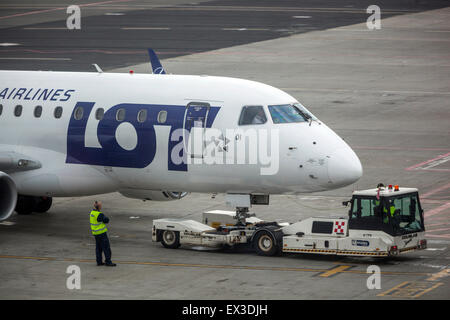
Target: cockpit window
column 304, row 110
column 252, row 115
column 288, row 113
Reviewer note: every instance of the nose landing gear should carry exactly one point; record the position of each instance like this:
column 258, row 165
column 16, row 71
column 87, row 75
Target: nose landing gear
column 29, row 204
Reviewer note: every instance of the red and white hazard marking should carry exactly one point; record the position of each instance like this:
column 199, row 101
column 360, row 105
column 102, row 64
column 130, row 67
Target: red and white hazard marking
column 339, row 226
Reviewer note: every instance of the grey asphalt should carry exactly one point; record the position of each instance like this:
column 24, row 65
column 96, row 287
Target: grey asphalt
column 117, row 33
column 384, row 91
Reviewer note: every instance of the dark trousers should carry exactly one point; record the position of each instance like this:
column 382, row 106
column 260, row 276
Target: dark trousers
column 102, row 246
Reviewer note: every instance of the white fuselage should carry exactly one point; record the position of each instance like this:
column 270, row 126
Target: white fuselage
column 90, row 156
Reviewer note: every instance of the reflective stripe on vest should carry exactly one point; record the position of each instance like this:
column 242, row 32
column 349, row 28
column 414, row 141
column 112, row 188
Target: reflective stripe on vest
column 97, row 227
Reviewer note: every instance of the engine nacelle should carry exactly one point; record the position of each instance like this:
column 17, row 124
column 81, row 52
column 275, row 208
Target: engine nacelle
column 155, row 195
column 8, row 196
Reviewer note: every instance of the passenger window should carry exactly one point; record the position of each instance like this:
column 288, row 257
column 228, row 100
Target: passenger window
column 162, row 116
column 99, row 114
column 37, row 112
column 120, row 115
column 58, row 112
column 78, row 114
column 142, row 115
column 1, row 109
column 18, row 110
column 252, row 115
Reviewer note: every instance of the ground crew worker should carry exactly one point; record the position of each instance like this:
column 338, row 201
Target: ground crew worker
column 98, row 227
column 391, row 211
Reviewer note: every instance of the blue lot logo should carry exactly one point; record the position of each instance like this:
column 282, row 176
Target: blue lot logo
column 361, row 243
column 111, row 153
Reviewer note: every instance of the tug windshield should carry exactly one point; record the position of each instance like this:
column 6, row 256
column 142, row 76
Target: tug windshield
column 397, row 215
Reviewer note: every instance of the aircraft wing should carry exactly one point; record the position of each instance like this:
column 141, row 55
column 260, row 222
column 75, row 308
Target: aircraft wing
column 11, row 162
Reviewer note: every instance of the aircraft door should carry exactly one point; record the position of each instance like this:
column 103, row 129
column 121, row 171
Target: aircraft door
column 195, row 118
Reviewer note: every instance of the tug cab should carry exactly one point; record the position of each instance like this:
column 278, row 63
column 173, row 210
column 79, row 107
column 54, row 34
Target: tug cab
column 395, row 212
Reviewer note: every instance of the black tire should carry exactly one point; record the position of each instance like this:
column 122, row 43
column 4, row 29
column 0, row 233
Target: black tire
column 43, row 204
column 170, row 239
column 265, row 244
column 25, row 205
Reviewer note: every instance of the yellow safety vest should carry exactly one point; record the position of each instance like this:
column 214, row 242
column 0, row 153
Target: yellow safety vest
column 97, row 227
column 392, row 210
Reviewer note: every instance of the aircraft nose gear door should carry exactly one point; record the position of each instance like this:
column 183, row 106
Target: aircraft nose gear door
column 194, row 124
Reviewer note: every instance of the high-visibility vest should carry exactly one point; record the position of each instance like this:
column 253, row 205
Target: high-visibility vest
column 392, row 210
column 97, row 227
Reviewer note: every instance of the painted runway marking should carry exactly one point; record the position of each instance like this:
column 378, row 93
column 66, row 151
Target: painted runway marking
column 145, row 28
column 59, row 8
column 437, row 190
column 410, row 289
column 209, row 266
column 438, row 275
column 7, row 223
column 245, row 29
column 43, row 59
column 364, row 90
column 334, row 271
column 437, row 210
column 445, row 236
column 8, row 44
column 399, row 148
column 45, row 28
column 442, row 229
column 429, row 164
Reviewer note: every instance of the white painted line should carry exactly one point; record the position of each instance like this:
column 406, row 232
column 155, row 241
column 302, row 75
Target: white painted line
column 301, row 17
column 7, row 223
column 365, row 90
column 114, row 14
column 435, row 163
column 245, row 29
column 9, row 44
column 351, row 30
column 45, row 28
column 43, row 59
column 145, row 28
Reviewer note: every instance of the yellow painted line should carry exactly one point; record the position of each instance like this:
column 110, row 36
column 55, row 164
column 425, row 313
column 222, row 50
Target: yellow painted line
column 428, row 290
column 410, row 289
column 393, row 289
column 166, row 264
column 334, row 271
column 440, row 274
column 188, row 265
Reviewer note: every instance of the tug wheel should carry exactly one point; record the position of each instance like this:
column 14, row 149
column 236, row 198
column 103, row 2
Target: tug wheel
column 265, row 244
column 170, row 239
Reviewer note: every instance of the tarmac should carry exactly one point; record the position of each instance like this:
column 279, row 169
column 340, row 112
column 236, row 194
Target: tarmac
column 384, row 91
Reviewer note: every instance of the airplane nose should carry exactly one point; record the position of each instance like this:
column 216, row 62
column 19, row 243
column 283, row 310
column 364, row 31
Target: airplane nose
column 344, row 167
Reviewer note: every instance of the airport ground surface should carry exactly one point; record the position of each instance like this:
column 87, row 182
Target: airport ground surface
column 384, row 91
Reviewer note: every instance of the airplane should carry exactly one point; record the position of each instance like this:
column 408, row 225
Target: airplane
column 70, row 134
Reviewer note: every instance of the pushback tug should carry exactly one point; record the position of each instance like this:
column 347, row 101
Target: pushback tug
column 381, row 222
